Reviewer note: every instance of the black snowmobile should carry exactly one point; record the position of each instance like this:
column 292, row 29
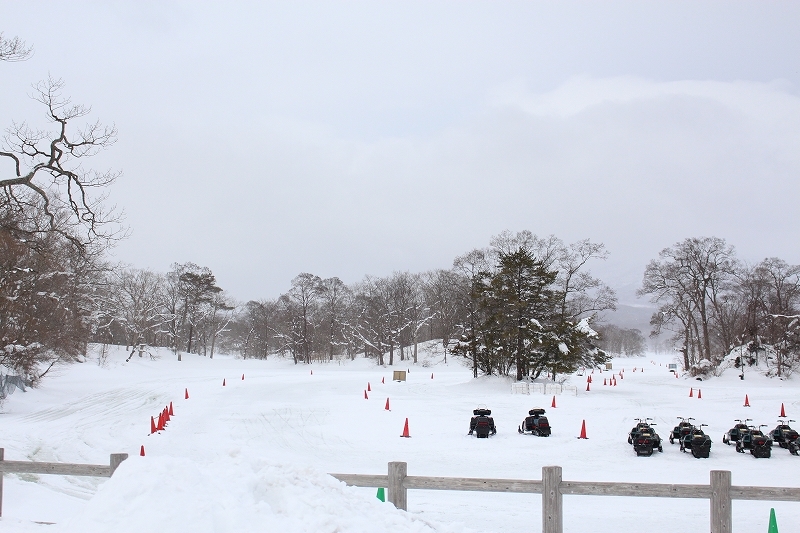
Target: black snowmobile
column 535, row 424
column 735, row 433
column 644, row 438
column 681, row 430
column 753, row 439
column 482, row 424
column 786, row 437
column 697, row 442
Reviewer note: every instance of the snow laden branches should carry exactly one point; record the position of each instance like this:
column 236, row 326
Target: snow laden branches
column 521, row 313
column 183, row 309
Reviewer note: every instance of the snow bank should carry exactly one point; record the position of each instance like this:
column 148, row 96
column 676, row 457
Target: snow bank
column 174, row 494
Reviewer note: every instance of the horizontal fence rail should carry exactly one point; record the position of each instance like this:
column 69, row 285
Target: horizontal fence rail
column 720, row 492
column 63, row 469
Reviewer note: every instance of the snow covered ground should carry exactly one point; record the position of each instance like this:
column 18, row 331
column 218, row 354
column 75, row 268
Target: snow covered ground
column 252, row 456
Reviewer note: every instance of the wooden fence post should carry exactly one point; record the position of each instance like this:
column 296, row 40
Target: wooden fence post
column 115, row 461
column 721, row 512
column 2, row 458
column 552, row 509
column 398, row 494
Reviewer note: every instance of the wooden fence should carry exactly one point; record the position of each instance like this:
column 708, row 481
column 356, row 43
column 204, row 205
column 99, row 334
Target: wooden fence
column 552, row 488
column 64, row 469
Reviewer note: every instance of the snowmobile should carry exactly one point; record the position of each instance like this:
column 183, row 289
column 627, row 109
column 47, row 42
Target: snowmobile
column 482, row 424
column 644, row 438
column 735, row 433
column 681, row 430
column 535, row 424
column 697, row 442
column 786, row 437
column 753, row 439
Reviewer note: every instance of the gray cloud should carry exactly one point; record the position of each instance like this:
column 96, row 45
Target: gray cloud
column 350, row 138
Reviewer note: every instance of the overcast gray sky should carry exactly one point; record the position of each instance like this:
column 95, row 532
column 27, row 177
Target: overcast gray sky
column 266, row 139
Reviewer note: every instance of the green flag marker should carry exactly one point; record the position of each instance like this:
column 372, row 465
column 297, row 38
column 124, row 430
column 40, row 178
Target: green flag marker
column 382, row 497
column 773, row 523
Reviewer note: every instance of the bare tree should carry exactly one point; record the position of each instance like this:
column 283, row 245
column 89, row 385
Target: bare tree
column 14, row 49
column 44, row 172
column 691, row 282
column 333, row 294
column 304, row 294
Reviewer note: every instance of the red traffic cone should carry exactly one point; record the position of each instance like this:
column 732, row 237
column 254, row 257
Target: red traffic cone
column 160, row 426
column 615, row 382
column 746, row 401
column 604, row 381
column 171, row 412
column 223, row 382
column 405, row 430
column 152, row 425
column 587, row 387
column 382, row 381
column 368, row 387
column 621, row 376
column 553, row 405
column 691, row 392
column 312, row 372
column 141, row 451
column 365, row 395
column 783, row 411
column 387, row 405
column 699, row 394
column 242, row 377
column 166, row 414
column 676, row 375
column 431, row 375
column 589, row 379
column 583, row 431
column 185, row 394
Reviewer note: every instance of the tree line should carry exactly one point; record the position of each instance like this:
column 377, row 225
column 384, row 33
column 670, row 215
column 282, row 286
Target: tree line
column 521, row 306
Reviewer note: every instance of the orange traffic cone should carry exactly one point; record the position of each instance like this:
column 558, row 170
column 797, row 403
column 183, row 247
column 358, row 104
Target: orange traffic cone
column 746, row 401
column 783, row 411
column 587, row 387
column 160, row 426
column 691, row 393
column 223, row 382
column 171, row 412
column 553, row 405
column 141, row 452
column 166, row 415
column 365, row 395
column 152, row 425
column 699, row 394
column 405, row 430
column 583, row 431
column 185, row 394
column 387, row 405
column 368, row 387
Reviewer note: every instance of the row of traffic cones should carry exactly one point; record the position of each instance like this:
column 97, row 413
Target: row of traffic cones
column 163, row 419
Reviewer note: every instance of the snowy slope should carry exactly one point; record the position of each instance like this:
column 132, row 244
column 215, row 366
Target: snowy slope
column 251, row 456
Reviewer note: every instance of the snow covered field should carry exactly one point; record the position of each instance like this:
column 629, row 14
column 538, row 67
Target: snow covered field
column 252, row 456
